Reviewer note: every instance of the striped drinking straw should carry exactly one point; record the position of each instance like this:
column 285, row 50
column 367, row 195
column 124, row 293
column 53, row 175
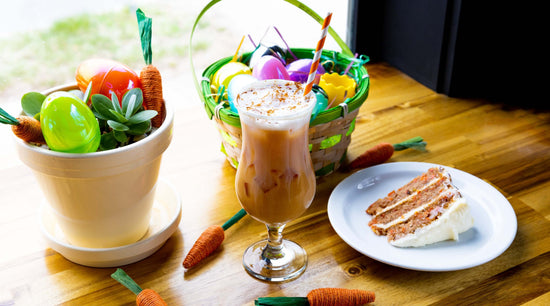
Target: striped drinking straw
column 317, row 56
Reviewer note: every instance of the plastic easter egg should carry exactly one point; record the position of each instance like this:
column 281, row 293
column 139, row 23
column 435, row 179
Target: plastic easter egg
column 107, row 77
column 269, row 67
column 68, row 124
column 235, row 86
column 298, row 70
column 228, row 71
column 338, row 87
column 322, row 100
column 262, row 50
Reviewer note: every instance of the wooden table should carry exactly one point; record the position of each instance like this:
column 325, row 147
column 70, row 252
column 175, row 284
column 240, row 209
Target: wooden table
column 507, row 147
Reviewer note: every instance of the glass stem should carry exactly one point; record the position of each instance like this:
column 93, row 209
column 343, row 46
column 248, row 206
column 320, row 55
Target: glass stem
column 274, row 247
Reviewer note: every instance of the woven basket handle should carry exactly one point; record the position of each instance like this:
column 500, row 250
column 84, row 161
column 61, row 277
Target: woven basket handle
column 296, row 3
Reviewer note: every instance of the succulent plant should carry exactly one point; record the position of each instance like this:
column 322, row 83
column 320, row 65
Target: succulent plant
column 121, row 123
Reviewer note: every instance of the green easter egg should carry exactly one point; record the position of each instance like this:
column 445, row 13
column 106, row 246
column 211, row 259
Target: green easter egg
column 68, row 124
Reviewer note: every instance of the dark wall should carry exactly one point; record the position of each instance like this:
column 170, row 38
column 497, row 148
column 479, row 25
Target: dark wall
column 461, row 48
column 402, row 33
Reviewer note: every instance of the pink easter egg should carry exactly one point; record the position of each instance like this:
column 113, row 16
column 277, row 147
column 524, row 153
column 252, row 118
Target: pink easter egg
column 269, row 67
column 298, row 70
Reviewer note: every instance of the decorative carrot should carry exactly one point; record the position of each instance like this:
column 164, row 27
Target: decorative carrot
column 24, row 127
column 209, row 241
column 144, row 297
column 151, row 80
column 382, row 152
column 322, row 297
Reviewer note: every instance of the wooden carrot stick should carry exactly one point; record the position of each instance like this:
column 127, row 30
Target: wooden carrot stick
column 382, row 152
column 24, row 127
column 144, row 297
column 209, row 241
column 151, row 80
column 322, row 297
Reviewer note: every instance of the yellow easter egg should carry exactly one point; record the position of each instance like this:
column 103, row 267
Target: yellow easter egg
column 224, row 75
column 338, row 87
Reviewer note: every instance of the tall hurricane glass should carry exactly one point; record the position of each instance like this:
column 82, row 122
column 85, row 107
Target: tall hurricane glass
column 275, row 181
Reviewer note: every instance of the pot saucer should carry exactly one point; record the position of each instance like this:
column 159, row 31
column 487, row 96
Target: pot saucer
column 165, row 220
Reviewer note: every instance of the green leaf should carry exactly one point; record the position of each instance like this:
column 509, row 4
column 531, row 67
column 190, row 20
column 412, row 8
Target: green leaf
column 99, row 116
column 131, row 106
column 120, row 276
column 103, row 106
column 86, row 96
column 119, row 117
column 416, row 143
column 116, row 103
column 140, row 128
column 142, row 116
column 31, row 103
column 117, row 126
column 281, row 301
column 236, row 217
column 145, row 31
column 7, row 118
column 120, row 136
column 139, row 99
column 108, row 141
column 136, row 105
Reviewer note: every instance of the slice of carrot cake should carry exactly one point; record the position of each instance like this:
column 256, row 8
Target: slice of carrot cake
column 426, row 210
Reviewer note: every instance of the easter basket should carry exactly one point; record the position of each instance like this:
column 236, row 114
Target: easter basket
column 330, row 130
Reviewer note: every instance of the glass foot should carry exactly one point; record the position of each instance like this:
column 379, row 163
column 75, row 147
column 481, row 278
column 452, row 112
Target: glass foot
column 275, row 265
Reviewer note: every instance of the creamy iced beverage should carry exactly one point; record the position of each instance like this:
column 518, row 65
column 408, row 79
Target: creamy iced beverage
column 275, row 181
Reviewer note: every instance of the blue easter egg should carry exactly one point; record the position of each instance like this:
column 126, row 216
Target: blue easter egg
column 235, row 86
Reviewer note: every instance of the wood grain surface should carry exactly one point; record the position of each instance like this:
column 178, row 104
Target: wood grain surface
column 508, row 147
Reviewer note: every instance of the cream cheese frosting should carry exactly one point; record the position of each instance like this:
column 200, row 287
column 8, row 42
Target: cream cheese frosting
column 455, row 220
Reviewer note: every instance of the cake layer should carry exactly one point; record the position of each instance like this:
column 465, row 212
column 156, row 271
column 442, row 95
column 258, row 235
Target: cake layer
column 405, row 191
column 427, row 209
column 428, row 213
column 398, row 211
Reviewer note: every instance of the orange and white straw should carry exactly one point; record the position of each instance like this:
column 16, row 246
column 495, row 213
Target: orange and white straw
column 317, row 56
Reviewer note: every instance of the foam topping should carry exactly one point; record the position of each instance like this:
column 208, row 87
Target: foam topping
column 274, row 99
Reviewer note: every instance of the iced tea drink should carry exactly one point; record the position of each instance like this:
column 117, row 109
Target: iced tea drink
column 275, row 181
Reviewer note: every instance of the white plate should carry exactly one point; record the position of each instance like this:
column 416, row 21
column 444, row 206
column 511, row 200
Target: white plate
column 165, row 219
column 495, row 222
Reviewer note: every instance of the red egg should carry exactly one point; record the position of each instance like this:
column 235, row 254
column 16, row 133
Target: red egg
column 107, row 77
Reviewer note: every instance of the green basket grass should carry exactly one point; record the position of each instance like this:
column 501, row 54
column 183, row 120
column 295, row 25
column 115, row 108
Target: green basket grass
column 330, row 131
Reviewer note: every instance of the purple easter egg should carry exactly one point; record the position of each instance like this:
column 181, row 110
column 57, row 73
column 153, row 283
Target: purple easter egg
column 298, row 70
column 269, row 67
